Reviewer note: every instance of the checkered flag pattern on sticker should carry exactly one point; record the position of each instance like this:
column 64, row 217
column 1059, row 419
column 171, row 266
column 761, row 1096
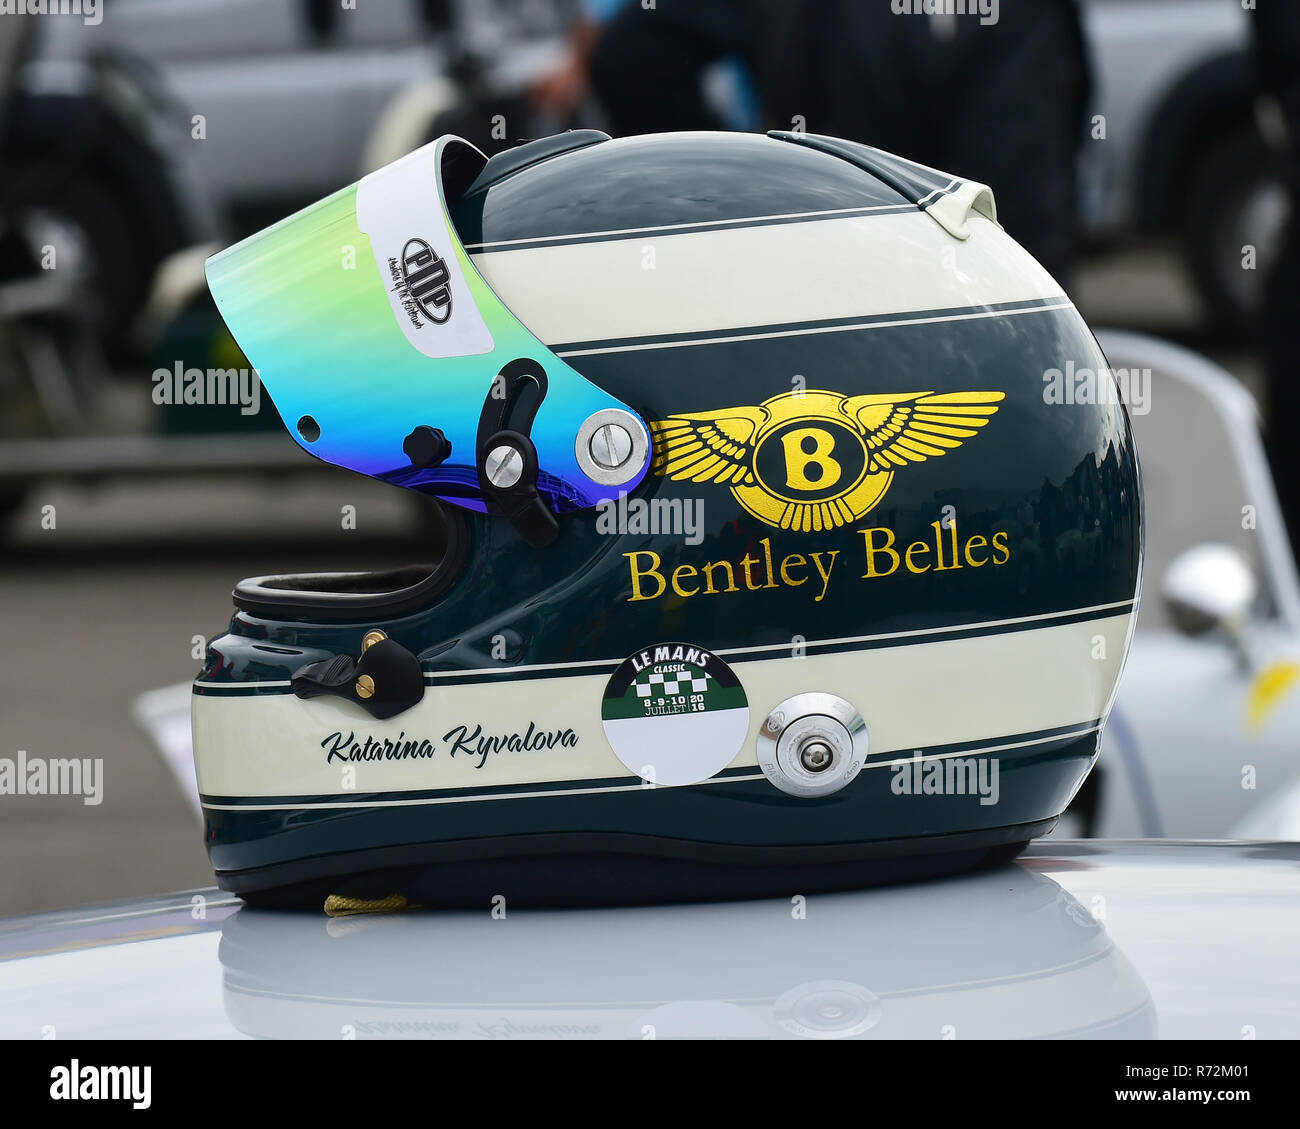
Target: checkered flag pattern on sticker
column 675, row 714
column 655, row 684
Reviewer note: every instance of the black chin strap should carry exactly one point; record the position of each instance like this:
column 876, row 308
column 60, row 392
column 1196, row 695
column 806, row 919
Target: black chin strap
column 506, row 458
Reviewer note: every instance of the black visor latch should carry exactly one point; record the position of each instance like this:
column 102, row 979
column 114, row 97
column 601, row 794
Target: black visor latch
column 507, row 458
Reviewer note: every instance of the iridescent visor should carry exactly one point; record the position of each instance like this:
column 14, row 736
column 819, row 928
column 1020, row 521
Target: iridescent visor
column 386, row 352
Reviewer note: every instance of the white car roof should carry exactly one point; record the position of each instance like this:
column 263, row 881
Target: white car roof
column 1086, row 939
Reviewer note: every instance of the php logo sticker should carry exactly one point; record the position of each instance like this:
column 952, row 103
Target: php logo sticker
column 427, row 280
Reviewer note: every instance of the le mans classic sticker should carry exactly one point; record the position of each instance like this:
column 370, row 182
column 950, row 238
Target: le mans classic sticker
column 675, row 714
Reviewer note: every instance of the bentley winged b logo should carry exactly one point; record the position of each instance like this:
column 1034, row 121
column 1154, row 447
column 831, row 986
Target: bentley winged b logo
column 816, row 460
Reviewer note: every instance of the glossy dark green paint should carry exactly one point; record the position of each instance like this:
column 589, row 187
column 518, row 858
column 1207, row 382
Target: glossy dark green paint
column 655, row 181
column 1060, row 480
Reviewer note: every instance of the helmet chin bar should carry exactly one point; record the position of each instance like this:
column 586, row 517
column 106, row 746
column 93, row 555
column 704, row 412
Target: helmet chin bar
column 506, row 458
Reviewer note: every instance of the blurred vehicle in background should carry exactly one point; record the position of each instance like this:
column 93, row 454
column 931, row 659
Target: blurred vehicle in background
column 49, row 350
column 1186, row 153
column 1207, row 725
column 291, row 92
column 1190, row 149
column 127, row 169
column 98, row 173
column 93, row 197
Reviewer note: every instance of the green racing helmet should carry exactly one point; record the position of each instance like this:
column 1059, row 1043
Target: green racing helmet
column 789, row 531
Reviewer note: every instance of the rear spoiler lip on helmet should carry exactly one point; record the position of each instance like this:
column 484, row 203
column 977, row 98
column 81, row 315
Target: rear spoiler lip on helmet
column 510, row 161
column 948, row 200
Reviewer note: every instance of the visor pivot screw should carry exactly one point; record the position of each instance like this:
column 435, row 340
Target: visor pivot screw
column 365, row 686
column 504, row 466
column 816, row 756
column 372, row 637
column 611, row 446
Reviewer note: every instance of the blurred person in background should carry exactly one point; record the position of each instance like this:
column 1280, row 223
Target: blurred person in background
column 1000, row 98
column 1277, row 41
column 11, row 39
column 561, row 91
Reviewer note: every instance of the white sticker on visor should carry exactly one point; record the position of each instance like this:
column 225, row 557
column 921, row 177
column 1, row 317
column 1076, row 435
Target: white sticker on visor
column 414, row 248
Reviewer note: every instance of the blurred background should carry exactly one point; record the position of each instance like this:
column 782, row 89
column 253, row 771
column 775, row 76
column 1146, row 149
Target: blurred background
column 1142, row 149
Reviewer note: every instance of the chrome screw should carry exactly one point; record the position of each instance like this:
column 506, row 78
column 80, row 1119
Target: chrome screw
column 611, row 446
column 504, row 466
column 816, row 756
